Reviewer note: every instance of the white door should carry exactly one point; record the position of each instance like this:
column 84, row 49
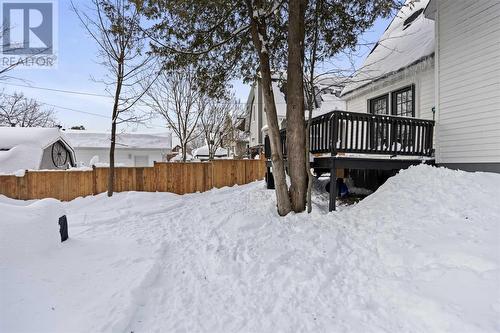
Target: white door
column 141, row 161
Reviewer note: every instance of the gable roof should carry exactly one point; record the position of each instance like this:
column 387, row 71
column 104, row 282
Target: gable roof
column 88, row 139
column 400, row 46
column 21, row 148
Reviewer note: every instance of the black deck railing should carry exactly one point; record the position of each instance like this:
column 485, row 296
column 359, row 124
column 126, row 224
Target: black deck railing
column 364, row 133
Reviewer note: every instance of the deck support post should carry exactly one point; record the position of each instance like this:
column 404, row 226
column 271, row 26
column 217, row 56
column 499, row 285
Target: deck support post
column 333, row 185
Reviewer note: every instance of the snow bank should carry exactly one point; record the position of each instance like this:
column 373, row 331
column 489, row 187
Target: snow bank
column 30, row 229
column 421, row 254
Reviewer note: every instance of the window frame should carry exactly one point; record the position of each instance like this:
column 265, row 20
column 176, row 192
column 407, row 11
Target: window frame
column 394, row 95
column 372, row 101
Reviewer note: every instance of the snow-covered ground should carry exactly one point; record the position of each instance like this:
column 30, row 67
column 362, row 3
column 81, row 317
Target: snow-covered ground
column 421, row 254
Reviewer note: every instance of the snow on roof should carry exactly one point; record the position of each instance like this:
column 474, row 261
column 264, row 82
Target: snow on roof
column 203, row 151
column 35, row 136
column 88, row 139
column 400, row 46
column 330, row 81
column 21, row 148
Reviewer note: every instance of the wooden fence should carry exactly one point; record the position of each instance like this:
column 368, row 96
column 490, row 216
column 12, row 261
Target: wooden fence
column 178, row 178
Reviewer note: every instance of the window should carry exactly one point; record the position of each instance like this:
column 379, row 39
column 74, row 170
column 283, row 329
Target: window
column 403, row 102
column 379, row 105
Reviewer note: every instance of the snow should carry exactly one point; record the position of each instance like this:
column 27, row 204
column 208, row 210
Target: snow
column 88, row 139
column 178, row 157
column 21, row 148
column 204, row 152
column 397, row 48
column 421, row 254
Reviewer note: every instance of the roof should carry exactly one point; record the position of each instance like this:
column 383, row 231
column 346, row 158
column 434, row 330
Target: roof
column 21, row 148
column 401, row 46
column 203, row 151
column 88, row 139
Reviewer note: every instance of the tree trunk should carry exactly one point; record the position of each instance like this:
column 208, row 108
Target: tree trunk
column 259, row 33
column 111, row 173
column 281, row 188
column 184, row 152
column 295, row 128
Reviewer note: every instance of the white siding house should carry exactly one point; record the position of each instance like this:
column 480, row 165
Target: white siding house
column 467, row 83
column 397, row 77
column 256, row 115
column 132, row 149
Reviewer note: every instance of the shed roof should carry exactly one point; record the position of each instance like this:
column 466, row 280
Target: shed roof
column 89, row 139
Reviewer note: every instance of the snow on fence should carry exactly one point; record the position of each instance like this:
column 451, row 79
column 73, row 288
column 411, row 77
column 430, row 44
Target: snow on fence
column 177, row 178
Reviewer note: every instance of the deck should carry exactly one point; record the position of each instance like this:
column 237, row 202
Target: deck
column 349, row 140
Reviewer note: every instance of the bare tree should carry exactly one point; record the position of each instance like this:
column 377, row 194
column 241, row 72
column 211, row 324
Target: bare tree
column 216, row 122
column 114, row 26
column 230, row 37
column 19, row 111
column 175, row 97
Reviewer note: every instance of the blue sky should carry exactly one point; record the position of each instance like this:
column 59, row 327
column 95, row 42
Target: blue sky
column 78, row 63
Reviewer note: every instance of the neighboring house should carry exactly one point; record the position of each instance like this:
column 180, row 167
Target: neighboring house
column 34, row 148
column 174, row 152
column 132, row 149
column 467, row 86
column 256, row 121
column 256, row 117
column 328, row 89
column 397, row 77
column 202, row 153
column 238, row 140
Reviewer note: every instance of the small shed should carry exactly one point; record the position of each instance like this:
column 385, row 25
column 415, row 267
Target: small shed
column 34, row 148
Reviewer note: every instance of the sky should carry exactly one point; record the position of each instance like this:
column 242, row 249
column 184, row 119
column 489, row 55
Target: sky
column 78, row 69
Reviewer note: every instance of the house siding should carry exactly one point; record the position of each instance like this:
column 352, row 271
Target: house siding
column 256, row 117
column 421, row 75
column 260, row 119
column 468, row 83
column 125, row 157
